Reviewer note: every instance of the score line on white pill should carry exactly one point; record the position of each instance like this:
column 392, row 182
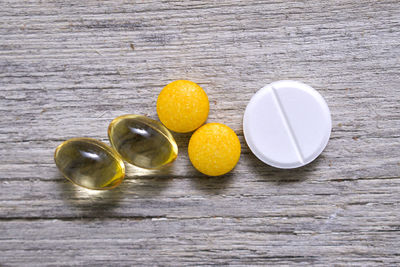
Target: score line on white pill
column 287, row 124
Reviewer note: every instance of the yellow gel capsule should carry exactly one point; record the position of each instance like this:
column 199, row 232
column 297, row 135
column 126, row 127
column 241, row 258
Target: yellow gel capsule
column 89, row 163
column 182, row 106
column 214, row 149
column 141, row 141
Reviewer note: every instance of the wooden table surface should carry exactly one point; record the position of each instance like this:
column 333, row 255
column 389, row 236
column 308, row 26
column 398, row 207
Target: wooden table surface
column 67, row 68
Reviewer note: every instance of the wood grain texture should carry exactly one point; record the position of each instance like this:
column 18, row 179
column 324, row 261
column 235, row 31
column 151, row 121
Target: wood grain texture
column 67, row 68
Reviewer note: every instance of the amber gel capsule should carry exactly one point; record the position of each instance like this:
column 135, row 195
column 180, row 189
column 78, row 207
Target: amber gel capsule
column 141, row 141
column 89, row 163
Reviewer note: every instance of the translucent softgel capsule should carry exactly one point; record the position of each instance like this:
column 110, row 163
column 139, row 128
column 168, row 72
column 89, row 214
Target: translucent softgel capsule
column 89, row 163
column 141, row 141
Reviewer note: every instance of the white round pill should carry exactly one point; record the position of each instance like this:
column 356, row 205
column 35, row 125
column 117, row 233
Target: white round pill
column 287, row 124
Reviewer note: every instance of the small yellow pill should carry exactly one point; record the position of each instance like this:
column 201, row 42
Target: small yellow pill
column 214, row 149
column 182, row 106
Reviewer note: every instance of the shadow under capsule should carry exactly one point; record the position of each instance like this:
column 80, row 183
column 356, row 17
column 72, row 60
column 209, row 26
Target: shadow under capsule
column 146, row 182
column 93, row 203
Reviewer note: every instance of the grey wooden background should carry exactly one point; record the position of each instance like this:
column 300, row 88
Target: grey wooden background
column 67, row 68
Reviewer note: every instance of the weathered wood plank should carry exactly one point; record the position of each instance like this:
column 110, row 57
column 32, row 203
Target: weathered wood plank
column 68, row 68
column 285, row 241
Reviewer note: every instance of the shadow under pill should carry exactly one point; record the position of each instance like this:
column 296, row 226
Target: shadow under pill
column 212, row 185
column 279, row 176
column 207, row 184
column 182, row 140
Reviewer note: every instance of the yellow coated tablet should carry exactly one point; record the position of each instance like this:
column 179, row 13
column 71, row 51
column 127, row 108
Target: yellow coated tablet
column 182, row 106
column 214, row 149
